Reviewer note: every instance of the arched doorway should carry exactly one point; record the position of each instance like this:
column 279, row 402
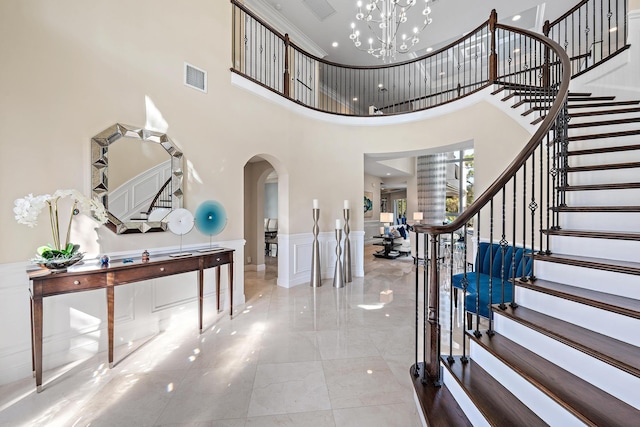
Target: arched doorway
column 265, row 214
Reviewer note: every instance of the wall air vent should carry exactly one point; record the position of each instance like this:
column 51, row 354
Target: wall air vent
column 195, row 77
column 320, row 8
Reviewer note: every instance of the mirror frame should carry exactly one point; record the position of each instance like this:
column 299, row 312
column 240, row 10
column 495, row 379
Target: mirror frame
column 100, row 173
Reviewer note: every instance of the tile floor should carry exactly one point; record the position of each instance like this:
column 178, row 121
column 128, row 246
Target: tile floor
column 289, row 357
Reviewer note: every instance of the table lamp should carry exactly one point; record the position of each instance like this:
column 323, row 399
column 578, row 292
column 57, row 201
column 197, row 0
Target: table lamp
column 386, row 218
column 417, row 217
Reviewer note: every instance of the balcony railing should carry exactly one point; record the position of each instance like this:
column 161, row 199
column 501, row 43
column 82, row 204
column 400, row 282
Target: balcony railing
column 591, row 32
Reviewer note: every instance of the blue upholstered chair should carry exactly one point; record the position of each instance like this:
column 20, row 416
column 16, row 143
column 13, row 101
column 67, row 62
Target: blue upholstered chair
column 489, row 273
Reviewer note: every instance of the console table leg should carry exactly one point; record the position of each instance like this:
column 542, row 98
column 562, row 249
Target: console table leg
column 110, row 323
column 36, row 304
column 231, row 287
column 200, row 294
column 218, row 288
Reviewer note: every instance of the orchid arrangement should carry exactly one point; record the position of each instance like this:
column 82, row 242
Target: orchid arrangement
column 28, row 209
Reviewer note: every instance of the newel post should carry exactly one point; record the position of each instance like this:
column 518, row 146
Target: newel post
column 493, row 57
column 546, row 80
column 286, row 65
column 433, row 316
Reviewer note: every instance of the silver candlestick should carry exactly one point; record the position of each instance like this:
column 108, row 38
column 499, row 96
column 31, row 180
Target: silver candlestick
column 338, row 278
column 316, row 280
column 346, row 259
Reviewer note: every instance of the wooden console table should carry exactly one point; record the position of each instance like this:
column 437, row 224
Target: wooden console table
column 86, row 278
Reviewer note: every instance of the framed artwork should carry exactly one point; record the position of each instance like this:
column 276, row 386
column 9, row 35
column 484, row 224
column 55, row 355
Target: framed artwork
column 368, row 204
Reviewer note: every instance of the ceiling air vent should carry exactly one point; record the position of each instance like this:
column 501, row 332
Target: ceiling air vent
column 195, row 77
column 320, row 8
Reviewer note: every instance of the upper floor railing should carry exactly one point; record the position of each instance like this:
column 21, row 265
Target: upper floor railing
column 590, row 32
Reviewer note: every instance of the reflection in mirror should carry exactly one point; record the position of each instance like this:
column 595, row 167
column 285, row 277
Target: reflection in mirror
column 137, row 174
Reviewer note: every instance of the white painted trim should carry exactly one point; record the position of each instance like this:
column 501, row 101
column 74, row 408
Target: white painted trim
column 294, row 257
column 430, row 113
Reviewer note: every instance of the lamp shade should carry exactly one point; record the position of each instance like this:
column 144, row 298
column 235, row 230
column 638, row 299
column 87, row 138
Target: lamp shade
column 386, row 217
column 417, row 215
column 210, row 217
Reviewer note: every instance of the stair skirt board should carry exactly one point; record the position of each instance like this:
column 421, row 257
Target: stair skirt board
column 602, row 375
column 624, row 250
column 603, row 221
column 423, row 421
column 543, row 406
column 625, row 285
column 466, row 404
column 614, row 325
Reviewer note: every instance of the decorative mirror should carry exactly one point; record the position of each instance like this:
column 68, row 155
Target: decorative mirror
column 137, row 174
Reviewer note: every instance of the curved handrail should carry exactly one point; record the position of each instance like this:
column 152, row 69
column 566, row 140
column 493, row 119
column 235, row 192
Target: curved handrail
column 524, row 154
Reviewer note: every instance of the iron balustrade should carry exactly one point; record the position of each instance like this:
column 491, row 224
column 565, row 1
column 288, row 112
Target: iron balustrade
column 534, row 72
column 591, row 32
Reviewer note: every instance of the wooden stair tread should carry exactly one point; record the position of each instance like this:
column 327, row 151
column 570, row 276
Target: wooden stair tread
column 593, row 98
column 493, row 400
column 590, row 187
column 607, row 166
column 604, row 135
column 605, row 112
column 604, row 123
column 613, row 303
column 617, row 266
column 596, row 209
column 603, row 104
column 438, row 405
column 584, row 400
column 591, row 234
column 601, row 150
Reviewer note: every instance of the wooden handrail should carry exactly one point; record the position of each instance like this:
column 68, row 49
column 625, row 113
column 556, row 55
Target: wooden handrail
column 526, row 152
column 158, row 194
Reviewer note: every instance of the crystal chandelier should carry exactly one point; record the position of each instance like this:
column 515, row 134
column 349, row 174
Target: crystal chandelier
column 384, row 18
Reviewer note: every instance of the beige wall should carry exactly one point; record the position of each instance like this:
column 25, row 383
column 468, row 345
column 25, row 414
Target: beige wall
column 72, row 68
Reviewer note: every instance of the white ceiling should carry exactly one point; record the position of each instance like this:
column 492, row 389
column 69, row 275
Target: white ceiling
column 451, row 19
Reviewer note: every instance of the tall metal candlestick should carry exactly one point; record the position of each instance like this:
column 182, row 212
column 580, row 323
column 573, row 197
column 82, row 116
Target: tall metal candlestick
column 338, row 278
column 346, row 259
column 316, row 280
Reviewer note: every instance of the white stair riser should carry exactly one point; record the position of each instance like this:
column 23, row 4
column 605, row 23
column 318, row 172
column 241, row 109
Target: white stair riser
column 592, row 130
column 625, row 285
column 623, row 250
column 604, row 176
column 602, row 221
column 626, row 197
column 470, row 410
column 615, row 141
column 604, row 158
column 623, row 328
column 600, row 374
column 543, row 406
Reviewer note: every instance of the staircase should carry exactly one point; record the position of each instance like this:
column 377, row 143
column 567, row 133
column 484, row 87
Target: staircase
column 568, row 354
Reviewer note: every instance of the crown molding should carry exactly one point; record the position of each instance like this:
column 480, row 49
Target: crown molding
column 282, row 24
